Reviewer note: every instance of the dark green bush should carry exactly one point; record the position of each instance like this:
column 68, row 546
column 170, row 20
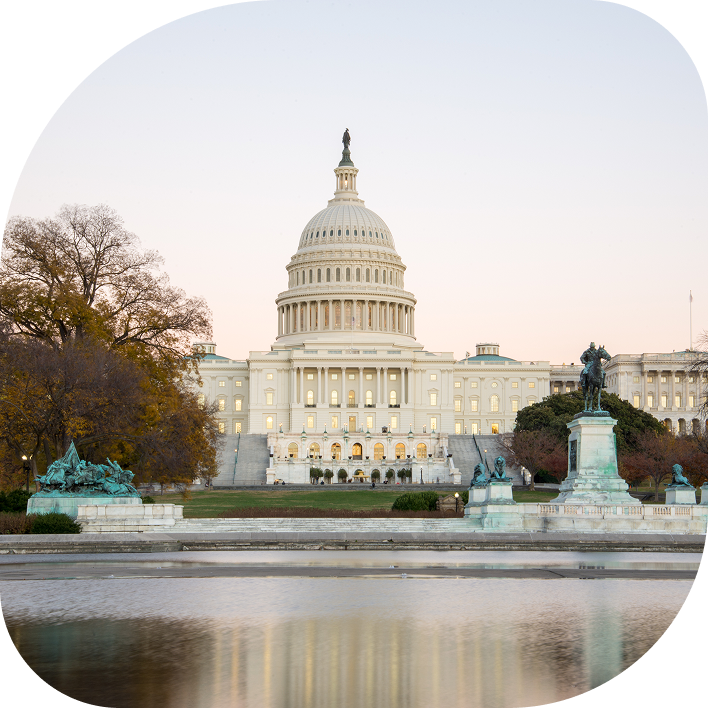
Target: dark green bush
column 415, row 501
column 54, row 523
column 16, row 500
column 148, row 500
column 465, row 496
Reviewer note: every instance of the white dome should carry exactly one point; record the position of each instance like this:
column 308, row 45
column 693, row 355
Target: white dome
column 346, row 223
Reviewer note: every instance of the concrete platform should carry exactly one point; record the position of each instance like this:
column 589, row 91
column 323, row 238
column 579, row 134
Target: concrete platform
column 348, row 540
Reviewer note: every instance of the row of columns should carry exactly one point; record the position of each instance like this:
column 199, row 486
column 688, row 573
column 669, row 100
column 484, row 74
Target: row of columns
column 310, row 316
column 381, row 393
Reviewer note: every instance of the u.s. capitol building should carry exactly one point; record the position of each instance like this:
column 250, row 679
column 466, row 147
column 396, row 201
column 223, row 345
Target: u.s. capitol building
column 347, row 387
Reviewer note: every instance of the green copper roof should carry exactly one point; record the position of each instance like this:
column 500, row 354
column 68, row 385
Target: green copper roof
column 346, row 160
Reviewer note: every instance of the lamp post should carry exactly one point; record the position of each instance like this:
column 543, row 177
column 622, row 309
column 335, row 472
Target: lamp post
column 26, row 468
column 457, row 499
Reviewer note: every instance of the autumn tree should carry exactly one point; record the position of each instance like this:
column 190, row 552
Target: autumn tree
column 95, row 347
column 537, row 451
column 699, row 367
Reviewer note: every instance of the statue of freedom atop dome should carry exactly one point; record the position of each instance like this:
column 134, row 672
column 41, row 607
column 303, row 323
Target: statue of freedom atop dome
column 346, row 138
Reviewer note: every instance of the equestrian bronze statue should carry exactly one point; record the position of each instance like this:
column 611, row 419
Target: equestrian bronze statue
column 592, row 378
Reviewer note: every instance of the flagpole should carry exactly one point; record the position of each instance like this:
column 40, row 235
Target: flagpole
column 690, row 317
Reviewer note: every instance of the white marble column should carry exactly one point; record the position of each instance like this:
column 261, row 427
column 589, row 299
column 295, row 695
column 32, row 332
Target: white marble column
column 330, row 316
column 343, row 402
column 385, row 386
column 341, row 315
column 360, row 402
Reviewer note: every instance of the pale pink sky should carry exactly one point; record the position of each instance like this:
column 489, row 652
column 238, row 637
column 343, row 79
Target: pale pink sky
column 542, row 165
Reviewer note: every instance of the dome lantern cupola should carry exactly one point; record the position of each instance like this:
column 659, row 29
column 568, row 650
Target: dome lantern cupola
column 346, row 176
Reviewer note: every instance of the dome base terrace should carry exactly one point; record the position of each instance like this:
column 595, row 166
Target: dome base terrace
column 347, row 340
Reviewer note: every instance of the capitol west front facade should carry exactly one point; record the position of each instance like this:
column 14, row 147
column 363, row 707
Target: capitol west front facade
column 347, row 387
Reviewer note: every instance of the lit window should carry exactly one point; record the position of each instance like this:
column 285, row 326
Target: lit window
column 650, row 400
column 310, row 377
column 433, row 424
column 238, row 383
column 515, row 384
column 458, row 405
column 433, row 377
column 677, row 379
column 237, row 404
column 636, row 400
column 495, row 428
column 394, row 422
column 494, row 403
column 567, row 389
column 352, row 398
column 556, row 389
column 474, row 405
column 532, row 384
column 514, row 405
column 392, row 377
column 369, row 422
column 650, row 379
column 369, row 377
column 334, row 377
column 310, row 398
column 269, row 398
column 635, row 379
column 691, row 401
column 677, row 400
column 334, row 398
column 458, row 428
column 663, row 379
column 292, row 450
column 378, row 451
column 473, row 384
column 494, row 384
column 269, row 422
column 392, row 398
column 664, row 400
column 475, row 428
column 222, row 404
column 458, row 384
column 222, row 426
column 200, row 399
column 310, row 421
column 369, row 398
column 335, row 422
column 237, row 426
column 222, row 384
column 691, row 379
column 351, row 377
column 530, row 400
column 433, row 399
column 400, row 451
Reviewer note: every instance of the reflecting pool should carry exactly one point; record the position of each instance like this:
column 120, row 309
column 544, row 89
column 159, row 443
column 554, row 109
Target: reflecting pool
column 326, row 641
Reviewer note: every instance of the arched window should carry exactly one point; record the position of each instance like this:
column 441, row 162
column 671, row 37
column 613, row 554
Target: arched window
column 319, row 275
column 368, row 275
column 369, row 398
column 376, row 275
column 421, row 452
column 292, row 450
column 310, row 275
column 339, row 232
column 314, row 450
column 331, row 232
column 378, row 451
column 297, row 278
column 336, row 451
column 494, row 403
column 349, row 274
column 356, row 451
column 347, row 232
column 358, row 275
column 317, row 235
column 400, row 451
column 352, row 399
column 392, row 398
column 328, row 275
column 334, row 398
column 383, row 277
column 303, row 277
column 310, row 398
column 337, row 275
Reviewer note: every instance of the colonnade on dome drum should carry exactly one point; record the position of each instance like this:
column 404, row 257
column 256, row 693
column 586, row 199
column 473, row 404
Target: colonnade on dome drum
column 346, row 314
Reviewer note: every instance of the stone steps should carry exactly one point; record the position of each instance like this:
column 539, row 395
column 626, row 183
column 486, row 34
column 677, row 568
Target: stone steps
column 318, row 525
column 253, row 460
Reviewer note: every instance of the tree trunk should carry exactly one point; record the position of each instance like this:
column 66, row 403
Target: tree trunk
column 47, row 452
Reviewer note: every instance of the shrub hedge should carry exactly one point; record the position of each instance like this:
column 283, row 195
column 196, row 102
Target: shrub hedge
column 16, row 500
column 416, row 501
column 54, row 523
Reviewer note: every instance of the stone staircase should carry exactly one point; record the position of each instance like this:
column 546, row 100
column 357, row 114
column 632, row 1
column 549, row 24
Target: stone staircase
column 465, row 455
column 253, row 460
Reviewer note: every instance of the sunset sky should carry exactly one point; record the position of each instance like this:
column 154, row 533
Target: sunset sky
column 542, row 166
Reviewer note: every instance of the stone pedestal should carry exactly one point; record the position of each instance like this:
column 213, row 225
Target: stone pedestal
column 69, row 505
column 681, row 495
column 270, row 475
column 592, row 464
column 455, row 475
column 494, row 508
column 704, row 494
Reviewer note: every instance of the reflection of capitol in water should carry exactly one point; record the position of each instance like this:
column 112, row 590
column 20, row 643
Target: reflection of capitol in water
column 345, row 642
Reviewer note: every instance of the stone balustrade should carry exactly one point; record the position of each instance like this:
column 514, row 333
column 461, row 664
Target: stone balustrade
column 96, row 518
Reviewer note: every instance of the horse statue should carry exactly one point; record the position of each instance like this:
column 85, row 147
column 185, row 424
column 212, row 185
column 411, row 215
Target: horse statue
column 592, row 379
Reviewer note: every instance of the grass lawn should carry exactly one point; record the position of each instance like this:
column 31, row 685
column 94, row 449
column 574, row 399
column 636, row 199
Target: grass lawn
column 206, row 504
